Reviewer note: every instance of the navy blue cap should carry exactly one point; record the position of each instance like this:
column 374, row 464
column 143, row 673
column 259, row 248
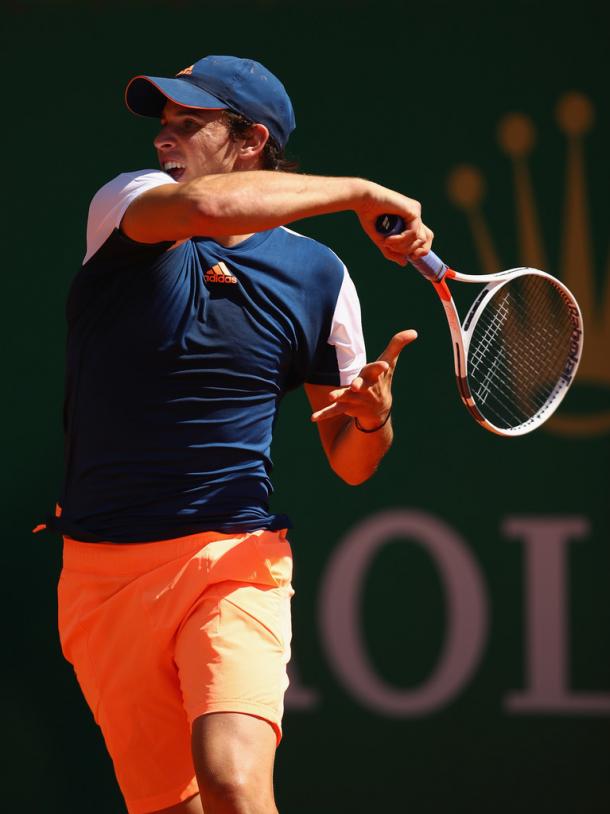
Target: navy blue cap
column 219, row 83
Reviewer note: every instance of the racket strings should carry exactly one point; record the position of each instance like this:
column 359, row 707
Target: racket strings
column 504, row 363
column 518, row 350
column 497, row 385
column 496, row 318
column 508, row 403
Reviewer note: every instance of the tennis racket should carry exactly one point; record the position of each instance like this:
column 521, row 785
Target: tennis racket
column 518, row 349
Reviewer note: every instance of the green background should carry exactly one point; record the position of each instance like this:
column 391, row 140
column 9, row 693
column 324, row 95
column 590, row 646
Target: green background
column 401, row 93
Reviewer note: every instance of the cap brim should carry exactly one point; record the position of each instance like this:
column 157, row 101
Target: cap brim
column 147, row 95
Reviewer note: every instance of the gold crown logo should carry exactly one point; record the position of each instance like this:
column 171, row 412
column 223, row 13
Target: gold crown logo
column 466, row 189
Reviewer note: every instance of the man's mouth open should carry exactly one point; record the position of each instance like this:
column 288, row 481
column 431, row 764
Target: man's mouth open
column 175, row 169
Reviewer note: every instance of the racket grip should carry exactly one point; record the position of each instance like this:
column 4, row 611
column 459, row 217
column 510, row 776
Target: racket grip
column 430, row 265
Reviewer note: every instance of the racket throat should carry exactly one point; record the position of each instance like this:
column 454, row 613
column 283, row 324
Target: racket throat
column 462, row 385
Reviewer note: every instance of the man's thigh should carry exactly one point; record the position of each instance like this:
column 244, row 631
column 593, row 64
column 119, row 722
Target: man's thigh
column 233, row 649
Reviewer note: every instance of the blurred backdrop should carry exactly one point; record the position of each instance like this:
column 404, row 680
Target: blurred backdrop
column 451, row 622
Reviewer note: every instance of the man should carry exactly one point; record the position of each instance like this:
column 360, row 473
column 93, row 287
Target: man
column 194, row 312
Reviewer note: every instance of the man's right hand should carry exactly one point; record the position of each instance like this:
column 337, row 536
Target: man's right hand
column 415, row 241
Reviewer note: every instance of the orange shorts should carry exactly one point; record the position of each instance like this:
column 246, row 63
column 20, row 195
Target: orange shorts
column 160, row 633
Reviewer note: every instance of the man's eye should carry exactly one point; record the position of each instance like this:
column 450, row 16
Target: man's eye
column 189, row 125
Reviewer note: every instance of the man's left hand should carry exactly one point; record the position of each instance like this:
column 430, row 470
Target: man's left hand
column 369, row 397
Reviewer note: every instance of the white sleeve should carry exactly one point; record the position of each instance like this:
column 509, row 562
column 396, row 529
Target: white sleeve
column 346, row 332
column 110, row 203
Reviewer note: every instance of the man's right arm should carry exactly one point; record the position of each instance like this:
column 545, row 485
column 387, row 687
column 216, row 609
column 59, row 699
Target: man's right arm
column 256, row 200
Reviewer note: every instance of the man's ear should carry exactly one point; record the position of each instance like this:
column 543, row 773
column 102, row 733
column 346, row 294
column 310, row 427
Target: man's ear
column 252, row 142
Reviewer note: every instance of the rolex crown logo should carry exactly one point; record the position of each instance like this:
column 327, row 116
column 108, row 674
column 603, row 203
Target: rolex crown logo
column 586, row 412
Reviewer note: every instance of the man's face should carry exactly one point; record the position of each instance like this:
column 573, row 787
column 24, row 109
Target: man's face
column 194, row 142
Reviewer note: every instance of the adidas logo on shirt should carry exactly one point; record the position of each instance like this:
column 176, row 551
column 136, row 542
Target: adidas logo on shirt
column 219, row 274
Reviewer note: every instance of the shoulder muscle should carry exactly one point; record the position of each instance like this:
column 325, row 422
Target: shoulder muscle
column 110, row 203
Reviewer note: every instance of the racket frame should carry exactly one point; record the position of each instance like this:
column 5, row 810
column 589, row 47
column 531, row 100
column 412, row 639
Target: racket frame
column 436, row 272
column 461, row 334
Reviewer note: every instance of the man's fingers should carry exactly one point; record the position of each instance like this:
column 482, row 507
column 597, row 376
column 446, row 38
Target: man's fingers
column 332, row 410
column 347, row 406
column 414, row 242
column 369, row 374
column 420, row 251
column 399, row 247
column 396, row 344
column 334, row 395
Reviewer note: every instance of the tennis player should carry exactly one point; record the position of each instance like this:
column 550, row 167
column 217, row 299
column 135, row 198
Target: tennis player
column 194, row 312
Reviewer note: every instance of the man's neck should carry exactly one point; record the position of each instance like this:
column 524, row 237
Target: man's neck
column 232, row 240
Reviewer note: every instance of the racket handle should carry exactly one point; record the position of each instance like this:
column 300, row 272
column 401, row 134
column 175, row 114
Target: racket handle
column 430, row 265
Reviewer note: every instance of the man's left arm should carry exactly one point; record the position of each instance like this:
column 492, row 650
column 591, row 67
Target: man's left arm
column 353, row 421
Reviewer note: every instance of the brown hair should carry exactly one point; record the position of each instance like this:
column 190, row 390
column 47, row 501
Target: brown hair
column 273, row 155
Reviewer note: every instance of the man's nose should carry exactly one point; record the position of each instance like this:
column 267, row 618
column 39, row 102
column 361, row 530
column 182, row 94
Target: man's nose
column 164, row 139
